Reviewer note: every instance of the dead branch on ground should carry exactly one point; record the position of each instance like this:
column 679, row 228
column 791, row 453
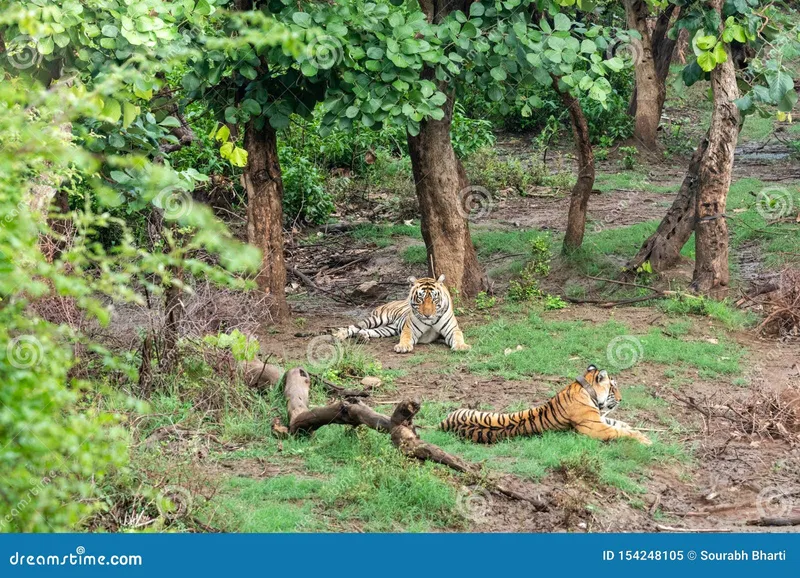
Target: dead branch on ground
column 303, row 419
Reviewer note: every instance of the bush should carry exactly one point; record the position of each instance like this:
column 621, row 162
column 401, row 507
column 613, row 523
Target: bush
column 304, row 195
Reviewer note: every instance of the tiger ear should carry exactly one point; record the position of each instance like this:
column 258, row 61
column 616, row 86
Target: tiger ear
column 603, row 374
column 440, row 279
column 412, row 279
column 591, row 368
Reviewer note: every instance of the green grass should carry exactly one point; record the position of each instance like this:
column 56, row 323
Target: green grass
column 384, row 235
column 355, row 477
column 722, row 311
column 756, row 128
column 631, row 180
column 572, row 345
column 620, row 464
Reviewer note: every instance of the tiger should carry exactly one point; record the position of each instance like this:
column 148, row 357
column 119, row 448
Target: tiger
column 577, row 406
column 423, row 317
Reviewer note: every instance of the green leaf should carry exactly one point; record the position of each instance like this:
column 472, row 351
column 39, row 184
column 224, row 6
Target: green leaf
column 588, row 46
column 308, row 69
column 247, row 71
column 129, row 113
column 45, row 45
column 707, row 61
column 250, row 105
column 302, row 19
column 238, row 157
column 223, row 134
column 562, row 22
column 279, row 121
column 170, row 122
column 111, row 110
column 498, row 73
column 706, row 42
column 720, row 54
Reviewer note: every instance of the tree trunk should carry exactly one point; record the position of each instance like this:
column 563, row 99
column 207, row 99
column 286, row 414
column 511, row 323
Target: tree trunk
column 648, row 92
column 711, row 273
column 442, row 189
column 663, row 248
column 579, row 199
column 662, row 48
column 264, row 186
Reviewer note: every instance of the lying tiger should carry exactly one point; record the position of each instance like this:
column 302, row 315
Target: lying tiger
column 423, row 317
column 578, row 406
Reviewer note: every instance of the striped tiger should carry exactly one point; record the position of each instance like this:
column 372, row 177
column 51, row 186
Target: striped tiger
column 423, row 317
column 577, row 406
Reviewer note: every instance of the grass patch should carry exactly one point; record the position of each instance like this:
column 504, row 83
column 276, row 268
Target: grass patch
column 620, row 464
column 572, row 345
column 722, row 311
column 384, row 235
column 359, row 479
column 631, row 180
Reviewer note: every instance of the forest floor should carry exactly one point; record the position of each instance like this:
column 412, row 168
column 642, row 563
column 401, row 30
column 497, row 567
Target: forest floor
column 677, row 363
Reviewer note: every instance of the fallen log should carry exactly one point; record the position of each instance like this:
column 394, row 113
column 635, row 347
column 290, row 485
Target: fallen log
column 303, row 419
column 789, row 521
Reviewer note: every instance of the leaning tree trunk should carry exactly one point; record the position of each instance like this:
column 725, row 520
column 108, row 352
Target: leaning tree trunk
column 444, row 202
column 711, row 273
column 442, row 187
column 579, row 199
column 648, row 93
column 264, row 186
column 663, row 248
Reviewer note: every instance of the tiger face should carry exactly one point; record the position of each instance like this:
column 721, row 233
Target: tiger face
column 608, row 395
column 428, row 298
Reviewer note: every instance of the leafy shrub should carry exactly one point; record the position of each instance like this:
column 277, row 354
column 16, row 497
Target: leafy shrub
column 468, row 134
column 242, row 347
column 304, row 194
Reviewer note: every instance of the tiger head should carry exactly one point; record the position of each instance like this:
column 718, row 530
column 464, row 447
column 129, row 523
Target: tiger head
column 605, row 388
column 429, row 298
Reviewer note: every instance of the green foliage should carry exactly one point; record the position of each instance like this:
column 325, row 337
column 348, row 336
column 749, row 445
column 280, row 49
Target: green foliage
column 722, row 311
column 484, row 301
column 628, row 159
column 243, row 347
column 304, row 196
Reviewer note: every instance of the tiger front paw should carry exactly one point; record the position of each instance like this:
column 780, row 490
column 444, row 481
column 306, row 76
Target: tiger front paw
column 641, row 438
column 342, row 334
column 363, row 336
column 402, row 348
column 461, row 347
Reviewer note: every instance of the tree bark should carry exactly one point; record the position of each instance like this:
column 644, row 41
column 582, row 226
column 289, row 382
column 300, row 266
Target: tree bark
column 711, row 275
column 264, row 186
column 579, row 199
column 648, row 92
column 662, row 48
column 663, row 248
column 441, row 185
